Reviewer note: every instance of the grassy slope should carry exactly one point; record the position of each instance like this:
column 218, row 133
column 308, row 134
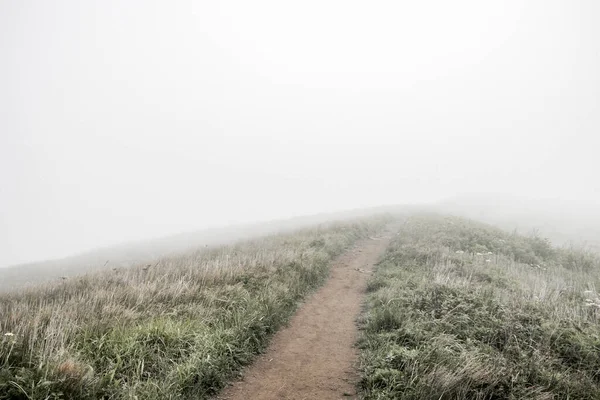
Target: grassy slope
column 520, row 323
column 149, row 251
column 180, row 329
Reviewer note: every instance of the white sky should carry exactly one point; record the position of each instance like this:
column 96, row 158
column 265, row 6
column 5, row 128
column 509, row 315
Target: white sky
column 123, row 120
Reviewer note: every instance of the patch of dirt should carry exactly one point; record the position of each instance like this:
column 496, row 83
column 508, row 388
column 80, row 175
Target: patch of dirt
column 315, row 357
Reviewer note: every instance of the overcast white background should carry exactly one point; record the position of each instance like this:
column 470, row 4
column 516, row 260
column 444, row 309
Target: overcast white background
column 124, row 120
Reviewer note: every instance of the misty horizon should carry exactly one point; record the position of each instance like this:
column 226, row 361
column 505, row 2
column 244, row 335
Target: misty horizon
column 128, row 121
column 471, row 205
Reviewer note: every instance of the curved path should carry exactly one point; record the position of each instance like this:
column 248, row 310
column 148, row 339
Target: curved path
column 315, row 357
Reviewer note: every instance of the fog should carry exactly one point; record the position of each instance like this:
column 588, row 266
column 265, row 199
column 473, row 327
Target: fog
column 123, row 121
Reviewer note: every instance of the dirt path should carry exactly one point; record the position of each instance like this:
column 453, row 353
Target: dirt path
column 315, row 356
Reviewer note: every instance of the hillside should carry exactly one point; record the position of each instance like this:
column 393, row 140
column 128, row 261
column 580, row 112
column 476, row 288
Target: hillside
column 462, row 310
column 180, row 329
column 151, row 251
column 454, row 309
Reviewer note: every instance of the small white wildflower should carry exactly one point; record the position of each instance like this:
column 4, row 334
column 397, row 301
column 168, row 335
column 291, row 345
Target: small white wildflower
column 9, row 334
column 459, row 252
column 489, row 253
column 488, row 260
column 479, row 254
column 587, row 292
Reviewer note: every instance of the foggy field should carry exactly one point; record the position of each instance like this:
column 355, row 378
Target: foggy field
column 179, row 329
column 462, row 310
column 456, row 309
column 178, row 177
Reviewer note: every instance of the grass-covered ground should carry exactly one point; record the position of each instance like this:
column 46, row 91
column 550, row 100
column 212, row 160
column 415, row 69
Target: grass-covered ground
column 461, row 310
column 176, row 330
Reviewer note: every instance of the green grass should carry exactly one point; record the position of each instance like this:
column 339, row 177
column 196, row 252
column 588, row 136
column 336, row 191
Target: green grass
column 179, row 329
column 522, row 322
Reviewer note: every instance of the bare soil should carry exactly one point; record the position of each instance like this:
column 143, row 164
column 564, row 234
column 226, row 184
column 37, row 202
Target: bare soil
column 315, row 356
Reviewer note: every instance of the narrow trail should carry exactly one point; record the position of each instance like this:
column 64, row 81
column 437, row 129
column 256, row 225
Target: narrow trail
column 315, row 356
